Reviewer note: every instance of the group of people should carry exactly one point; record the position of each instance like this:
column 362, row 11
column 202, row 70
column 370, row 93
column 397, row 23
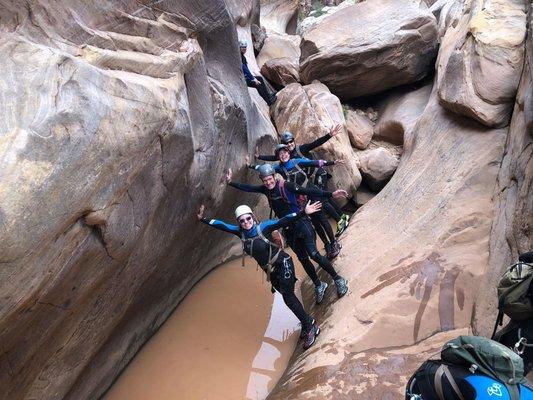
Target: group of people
column 296, row 188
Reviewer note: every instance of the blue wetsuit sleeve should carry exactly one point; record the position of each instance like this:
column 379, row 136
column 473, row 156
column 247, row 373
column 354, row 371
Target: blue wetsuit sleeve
column 304, row 162
column 273, row 224
column 222, row 226
column 247, row 74
column 247, row 188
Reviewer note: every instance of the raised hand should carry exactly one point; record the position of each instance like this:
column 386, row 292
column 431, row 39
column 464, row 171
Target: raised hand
column 247, row 160
column 335, row 130
column 311, row 208
column 337, row 194
column 340, row 161
column 256, row 154
column 200, row 214
column 228, row 175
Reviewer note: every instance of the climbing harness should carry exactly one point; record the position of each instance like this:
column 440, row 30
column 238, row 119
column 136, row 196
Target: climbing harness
column 272, row 258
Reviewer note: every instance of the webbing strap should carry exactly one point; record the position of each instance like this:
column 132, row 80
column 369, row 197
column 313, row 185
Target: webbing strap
column 451, row 379
column 437, row 380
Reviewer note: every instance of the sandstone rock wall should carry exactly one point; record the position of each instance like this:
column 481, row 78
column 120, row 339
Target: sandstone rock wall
column 117, row 121
column 423, row 256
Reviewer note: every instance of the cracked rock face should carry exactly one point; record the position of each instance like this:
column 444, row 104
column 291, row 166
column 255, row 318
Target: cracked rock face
column 117, row 121
column 370, row 47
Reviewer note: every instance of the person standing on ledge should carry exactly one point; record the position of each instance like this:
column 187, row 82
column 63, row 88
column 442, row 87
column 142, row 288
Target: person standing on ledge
column 252, row 80
column 258, row 243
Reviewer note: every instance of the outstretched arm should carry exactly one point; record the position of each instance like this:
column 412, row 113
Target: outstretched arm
column 334, row 131
column 273, row 224
column 305, row 162
column 217, row 224
column 242, row 186
column 316, row 192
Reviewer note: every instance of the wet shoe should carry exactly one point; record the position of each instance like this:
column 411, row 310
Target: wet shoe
column 303, row 333
column 320, row 290
column 310, row 336
column 342, row 224
column 342, row 286
column 335, row 249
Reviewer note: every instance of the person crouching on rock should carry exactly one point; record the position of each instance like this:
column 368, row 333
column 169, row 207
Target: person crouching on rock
column 258, row 243
column 252, row 80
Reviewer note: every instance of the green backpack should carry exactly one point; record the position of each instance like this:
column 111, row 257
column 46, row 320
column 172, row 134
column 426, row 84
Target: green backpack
column 514, row 295
column 488, row 357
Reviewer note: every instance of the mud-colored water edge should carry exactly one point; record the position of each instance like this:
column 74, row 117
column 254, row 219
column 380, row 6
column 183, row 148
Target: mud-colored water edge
column 229, row 339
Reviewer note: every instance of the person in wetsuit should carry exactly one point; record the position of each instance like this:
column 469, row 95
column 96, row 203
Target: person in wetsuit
column 319, row 177
column 252, row 80
column 285, row 198
column 277, row 264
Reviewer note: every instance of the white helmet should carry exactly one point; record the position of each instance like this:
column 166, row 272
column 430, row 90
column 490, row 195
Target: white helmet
column 241, row 210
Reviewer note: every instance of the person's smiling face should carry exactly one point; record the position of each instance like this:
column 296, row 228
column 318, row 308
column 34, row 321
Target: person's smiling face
column 290, row 145
column 269, row 182
column 246, row 221
column 284, row 155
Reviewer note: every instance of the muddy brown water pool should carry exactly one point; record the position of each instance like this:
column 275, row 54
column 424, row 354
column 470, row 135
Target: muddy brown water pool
column 230, row 338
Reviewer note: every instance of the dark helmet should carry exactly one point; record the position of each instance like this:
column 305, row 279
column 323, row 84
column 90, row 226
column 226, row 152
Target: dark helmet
column 286, row 137
column 265, row 170
column 280, row 147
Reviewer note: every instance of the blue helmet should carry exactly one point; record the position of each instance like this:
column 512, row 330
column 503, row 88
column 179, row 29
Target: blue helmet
column 286, row 137
column 265, row 170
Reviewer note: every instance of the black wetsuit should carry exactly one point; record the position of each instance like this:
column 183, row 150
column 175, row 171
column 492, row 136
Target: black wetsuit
column 300, row 233
column 282, row 275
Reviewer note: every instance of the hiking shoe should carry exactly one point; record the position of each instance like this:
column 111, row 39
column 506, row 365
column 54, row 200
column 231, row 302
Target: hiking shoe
column 335, row 249
column 342, row 224
column 303, row 332
column 342, row 286
column 320, row 290
column 310, row 336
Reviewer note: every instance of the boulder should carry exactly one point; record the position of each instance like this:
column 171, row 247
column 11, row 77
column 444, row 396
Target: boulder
column 360, row 129
column 399, row 112
column 308, row 111
column 279, row 59
column 280, row 46
column 279, row 16
column 480, row 61
column 115, row 126
column 280, row 71
column 377, row 166
column 370, row 47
